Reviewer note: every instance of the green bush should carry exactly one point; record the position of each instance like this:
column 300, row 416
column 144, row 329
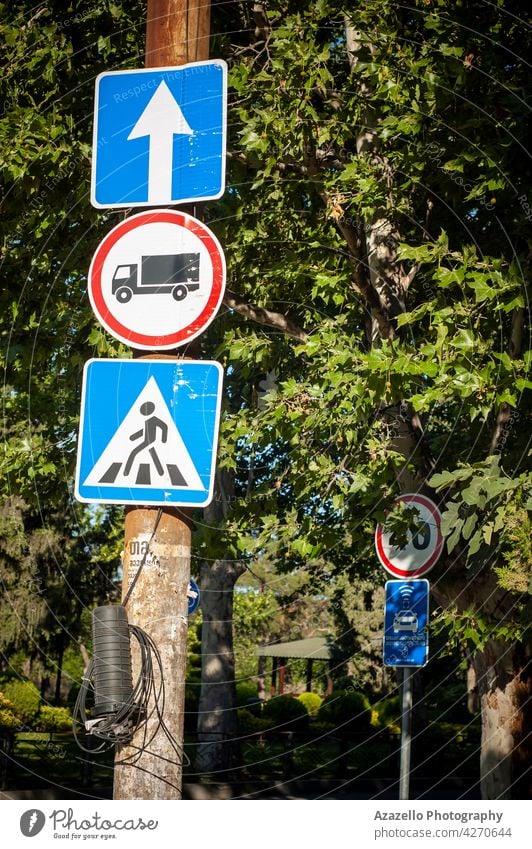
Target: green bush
column 321, row 731
column 343, row 708
column 246, row 697
column 245, row 691
column 285, row 714
column 25, row 697
column 449, row 703
column 8, row 719
column 248, row 723
column 54, row 719
column 311, row 702
column 387, row 714
column 440, row 734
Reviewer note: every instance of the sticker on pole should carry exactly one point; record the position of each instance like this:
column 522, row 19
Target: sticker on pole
column 423, row 547
column 406, row 617
column 157, row 279
column 148, row 432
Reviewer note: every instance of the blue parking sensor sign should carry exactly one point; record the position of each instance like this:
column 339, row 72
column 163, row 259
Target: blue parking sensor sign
column 406, row 616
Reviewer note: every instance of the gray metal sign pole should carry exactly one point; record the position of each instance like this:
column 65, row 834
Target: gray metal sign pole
column 406, row 732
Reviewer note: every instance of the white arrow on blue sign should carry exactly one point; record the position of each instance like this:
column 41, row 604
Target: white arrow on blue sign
column 148, row 432
column 406, row 617
column 159, row 135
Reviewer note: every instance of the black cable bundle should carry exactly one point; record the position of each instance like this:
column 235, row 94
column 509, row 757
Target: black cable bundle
column 119, row 708
column 119, row 728
column 113, row 683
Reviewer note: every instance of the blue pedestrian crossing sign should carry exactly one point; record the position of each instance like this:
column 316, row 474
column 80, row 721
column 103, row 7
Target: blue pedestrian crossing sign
column 159, row 135
column 406, row 617
column 148, row 432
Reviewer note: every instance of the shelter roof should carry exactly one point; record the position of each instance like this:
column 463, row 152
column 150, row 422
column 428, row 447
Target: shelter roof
column 316, row 648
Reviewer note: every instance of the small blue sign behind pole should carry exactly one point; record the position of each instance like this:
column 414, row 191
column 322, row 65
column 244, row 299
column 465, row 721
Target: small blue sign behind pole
column 159, row 135
column 406, row 616
column 193, row 597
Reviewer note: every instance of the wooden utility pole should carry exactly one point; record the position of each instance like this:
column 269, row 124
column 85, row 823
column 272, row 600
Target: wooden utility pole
column 177, row 32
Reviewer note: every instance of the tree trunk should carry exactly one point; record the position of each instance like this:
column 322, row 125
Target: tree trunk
column 217, row 719
column 504, row 681
column 261, row 678
column 499, row 684
column 503, row 676
column 58, row 677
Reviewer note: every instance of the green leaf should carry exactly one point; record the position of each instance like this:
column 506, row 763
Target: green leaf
column 452, row 540
column 413, row 315
column 475, row 542
column 469, row 525
column 464, row 340
column 440, row 480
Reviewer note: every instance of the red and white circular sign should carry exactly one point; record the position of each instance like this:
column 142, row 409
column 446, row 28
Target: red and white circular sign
column 423, row 549
column 157, row 279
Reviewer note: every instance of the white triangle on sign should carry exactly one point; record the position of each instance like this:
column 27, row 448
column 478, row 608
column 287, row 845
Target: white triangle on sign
column 147, row 450
column 162, row 114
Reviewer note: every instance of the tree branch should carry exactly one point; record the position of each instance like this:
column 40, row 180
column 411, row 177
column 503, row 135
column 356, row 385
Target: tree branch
column 263, row 316
column 360, row 281
column 515, row 347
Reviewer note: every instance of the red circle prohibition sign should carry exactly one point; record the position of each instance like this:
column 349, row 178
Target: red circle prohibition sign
column 197, row 325
column 425, row 567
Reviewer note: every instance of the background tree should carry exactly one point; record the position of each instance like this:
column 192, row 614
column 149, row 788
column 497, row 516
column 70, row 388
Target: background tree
column 378, row 231
column 58, row 556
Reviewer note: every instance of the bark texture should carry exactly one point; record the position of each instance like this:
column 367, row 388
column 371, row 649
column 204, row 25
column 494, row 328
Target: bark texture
column 159, row 605
column 504, row 683
column 217, row 719
column 499, row 684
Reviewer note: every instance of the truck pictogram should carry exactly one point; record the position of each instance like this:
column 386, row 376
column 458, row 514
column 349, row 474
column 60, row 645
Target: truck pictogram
column 177, row 274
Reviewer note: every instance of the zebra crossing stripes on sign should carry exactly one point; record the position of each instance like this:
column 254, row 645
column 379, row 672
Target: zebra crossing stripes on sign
column 148, row 432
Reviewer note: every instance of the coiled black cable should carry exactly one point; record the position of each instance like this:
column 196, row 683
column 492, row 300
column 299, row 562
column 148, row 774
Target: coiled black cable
column 120, row 727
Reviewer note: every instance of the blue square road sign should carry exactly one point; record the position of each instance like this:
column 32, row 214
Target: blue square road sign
column 159, row 135
column 406, row 615
column 148, row 432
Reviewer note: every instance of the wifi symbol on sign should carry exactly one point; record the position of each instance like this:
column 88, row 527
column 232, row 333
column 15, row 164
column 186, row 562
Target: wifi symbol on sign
column 406, row 594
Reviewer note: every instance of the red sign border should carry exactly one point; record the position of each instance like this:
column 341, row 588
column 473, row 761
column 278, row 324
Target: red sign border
column 169, row 340
column 426, row 567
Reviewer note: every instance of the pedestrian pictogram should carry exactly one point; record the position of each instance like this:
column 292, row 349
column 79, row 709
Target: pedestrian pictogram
column 423, row 547
column 159, row 135
column 148, row 434
column 148, row 431
column 406, row 614
column 158, row 456
column 157, row 279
